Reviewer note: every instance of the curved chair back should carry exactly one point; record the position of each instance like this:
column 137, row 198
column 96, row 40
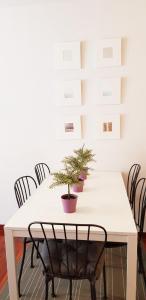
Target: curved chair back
column 140, row 220
column 42, row 171
column 131, row 182
column 23, row 187
column 143, row 217
column 140, row 203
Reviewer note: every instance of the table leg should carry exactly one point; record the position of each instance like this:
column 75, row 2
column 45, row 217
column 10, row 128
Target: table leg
column 11, row 265
column 131, row 267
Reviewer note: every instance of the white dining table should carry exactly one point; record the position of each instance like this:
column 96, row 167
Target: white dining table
column 104, row 202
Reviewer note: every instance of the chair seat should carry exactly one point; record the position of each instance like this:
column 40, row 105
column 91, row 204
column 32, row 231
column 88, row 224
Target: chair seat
column 81, row 258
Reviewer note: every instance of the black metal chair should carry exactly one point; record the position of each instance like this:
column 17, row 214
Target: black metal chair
column 131, row 182
column 139, row 210
column 41, row 171
column 131, row 188
column 23, row 187
column 71, row 259
column 131, row 185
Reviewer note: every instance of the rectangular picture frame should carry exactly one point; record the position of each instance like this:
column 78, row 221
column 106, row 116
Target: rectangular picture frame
column 69, row 127
column 68, row 92
column 67, row 55
column 108, row 126
column 109, row 52
column 109, row 91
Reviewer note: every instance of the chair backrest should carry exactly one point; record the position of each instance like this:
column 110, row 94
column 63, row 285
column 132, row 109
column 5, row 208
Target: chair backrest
column 140, row 203
column 41, row 171
column 143, row 217
column 65, row 256
column 23, row 187
column 131, row 182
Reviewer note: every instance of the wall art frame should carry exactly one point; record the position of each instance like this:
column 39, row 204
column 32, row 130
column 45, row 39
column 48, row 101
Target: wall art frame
column 109, row 52
column 109, row 91
column 67, row 55
column 108, row 126
column 69, row 127
column 68, row 92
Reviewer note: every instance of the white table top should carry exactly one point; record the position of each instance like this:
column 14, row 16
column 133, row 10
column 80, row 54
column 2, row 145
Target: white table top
column 104, row 202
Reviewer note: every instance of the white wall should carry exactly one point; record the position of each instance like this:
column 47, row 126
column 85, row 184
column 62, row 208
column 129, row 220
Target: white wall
column 28, row 31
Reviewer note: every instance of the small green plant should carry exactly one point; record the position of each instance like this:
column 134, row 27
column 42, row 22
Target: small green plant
column 84, row 155
column 68, row 177
column 73, row 163
column 80, row 161
column 73, row 167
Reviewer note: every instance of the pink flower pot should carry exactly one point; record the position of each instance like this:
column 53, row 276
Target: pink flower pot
column 78, row 187
column 69, row 205
column 83, row 174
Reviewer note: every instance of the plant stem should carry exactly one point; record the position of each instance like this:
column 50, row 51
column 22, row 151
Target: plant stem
column 68, row 191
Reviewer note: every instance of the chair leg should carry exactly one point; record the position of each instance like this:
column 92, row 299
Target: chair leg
column 21, row 268
column 32, row 251
column 53, row 290
column 93, row 290
column 70, row 290
column 37, row 255
column 46, row 287
column 104, row 282
column 141, row 265
column 139, row 259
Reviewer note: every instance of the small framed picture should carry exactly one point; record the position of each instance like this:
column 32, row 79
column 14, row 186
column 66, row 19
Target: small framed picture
column 108, row 126
column 109, row 91
column 67, row 55
column 68, row 93
column 69, row 127
column 109, row 52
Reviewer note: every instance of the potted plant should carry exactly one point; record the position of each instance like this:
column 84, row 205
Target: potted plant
column 80, row 161
column 75, row 164
column 85, row 156
column 78, row 186
column 67, row 177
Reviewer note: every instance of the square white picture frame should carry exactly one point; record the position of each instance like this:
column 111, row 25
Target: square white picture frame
column 108, row 126
column 109, row 91
column 67, row 55
column 68, row 93
column 109, row 52
column 69, row 127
